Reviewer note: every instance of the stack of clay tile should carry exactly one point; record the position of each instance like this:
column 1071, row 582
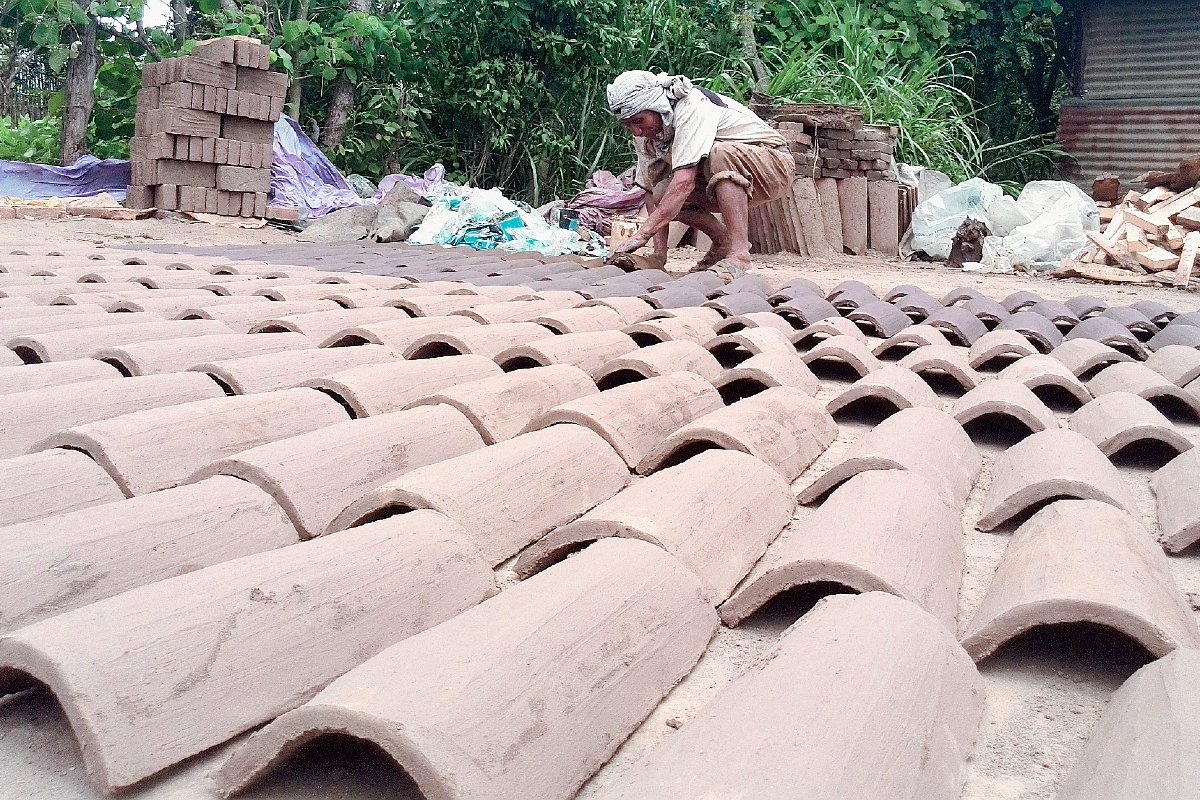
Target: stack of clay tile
column 487, row 510
column 204, row 130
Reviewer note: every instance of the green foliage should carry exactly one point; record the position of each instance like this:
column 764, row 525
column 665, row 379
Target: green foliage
column 29, row 140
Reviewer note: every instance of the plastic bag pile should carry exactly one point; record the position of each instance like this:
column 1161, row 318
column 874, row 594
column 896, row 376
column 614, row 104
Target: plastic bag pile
column 1047, row 223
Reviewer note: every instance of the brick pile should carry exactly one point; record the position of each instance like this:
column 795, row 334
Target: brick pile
column 204, row 130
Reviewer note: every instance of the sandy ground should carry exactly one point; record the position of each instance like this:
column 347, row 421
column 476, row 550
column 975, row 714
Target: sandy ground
column 1045, row 691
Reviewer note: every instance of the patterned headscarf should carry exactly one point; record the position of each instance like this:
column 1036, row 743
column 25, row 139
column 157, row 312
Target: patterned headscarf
column 637, row 90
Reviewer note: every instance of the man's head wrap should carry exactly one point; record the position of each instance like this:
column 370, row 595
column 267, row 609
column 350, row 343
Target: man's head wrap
column 637, row 90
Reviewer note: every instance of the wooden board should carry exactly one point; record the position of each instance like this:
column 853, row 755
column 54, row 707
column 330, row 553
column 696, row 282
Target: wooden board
column 1187, row 261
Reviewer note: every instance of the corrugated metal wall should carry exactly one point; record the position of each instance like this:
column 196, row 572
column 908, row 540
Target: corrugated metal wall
column 1139, row 107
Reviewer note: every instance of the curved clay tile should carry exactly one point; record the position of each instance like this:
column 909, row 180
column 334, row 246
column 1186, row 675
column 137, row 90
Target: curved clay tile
column 353, row 457
column 588, row 351
column 746, row 284
column 629, row 309
column 1109, row 332
column 244, row 318
column 83, row 342
column 764, row 371
column 909, row 339
column 1145, row 745
column 1145, row 382
column 50, row 322
column 757, row 319
column 618, row 288
column 438, row 305
column 145, row 451
column 508, row 495
column 1117, row 420
column 482, row 340
column 809, row 337
column 24, row 377
column 715, row 512
column 1082, row 356
column 657, row 360
column 1156, row 312
column 852, row 288
column 1083, row 561
column 731, row 349
column 508, row 311
column 371, row 299
column 321, row 325
column 1044, row 334
column 177, row 355
column 176, row 307
column 679, row 329
column 902, row 290
column 998, row 345
column 1186, row 335
column 1085, row 306
column 1179, row 365
column 899, row 387
column 1137, row 322
column 52, row 482
column 881, row 531
column 1039, row 372
column 372, row 389
column 397, row 333
column 1050, row 464
column 559, row 300
column 200, row 655
column 883, row 318
column 29, row 416
column 846, row 350
column 1057, row 312
column 502, row 405
column 732, row 305
column 472, row 707
column 805, row 309
column 1004, row 398
column 301, row 291
column 958, row 324
column 702, row 281
column 580, row 320
column 956, row 296
column 922, row 440
column 709, row 316
column 987, row 311
column 1174, row 487
column 917, row 305
column 636, row 417
column 945, row 359
column 803, row 285
column 866, row 696
column 1020, row 301
column 675, row 297
column 783, row 427
column 265, row 373
column 57, row 564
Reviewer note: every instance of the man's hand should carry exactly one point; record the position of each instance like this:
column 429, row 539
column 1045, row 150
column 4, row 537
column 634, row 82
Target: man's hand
column 633, row 243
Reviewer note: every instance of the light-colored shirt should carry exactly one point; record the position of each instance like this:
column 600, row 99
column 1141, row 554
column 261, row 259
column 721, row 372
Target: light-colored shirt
column 698, row 123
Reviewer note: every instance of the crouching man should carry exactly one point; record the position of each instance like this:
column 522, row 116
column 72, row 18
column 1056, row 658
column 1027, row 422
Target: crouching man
column 699, row 153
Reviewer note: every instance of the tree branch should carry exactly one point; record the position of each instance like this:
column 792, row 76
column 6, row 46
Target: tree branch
column 139, row 38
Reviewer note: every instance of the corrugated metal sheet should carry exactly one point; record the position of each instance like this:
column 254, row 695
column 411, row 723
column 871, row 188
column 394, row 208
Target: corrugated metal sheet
column 1128, row 141
column 1139, row 51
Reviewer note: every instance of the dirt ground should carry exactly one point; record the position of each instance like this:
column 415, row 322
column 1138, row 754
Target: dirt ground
column 1045, row 690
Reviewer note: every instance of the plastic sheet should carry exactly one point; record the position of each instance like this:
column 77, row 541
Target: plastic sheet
column 86, row 177
column 607, row 195
column 302, row 177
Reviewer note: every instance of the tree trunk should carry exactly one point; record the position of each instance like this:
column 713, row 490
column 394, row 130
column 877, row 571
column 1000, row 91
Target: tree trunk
column 295, row 91
column 79, row 90
column 179, row 13
column 750, row 46
column 229, row 6
column 343, row 96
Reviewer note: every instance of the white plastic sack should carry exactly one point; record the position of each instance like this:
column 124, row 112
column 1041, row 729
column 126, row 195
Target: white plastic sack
column 439, row 226
column 936, row 220
column 1062, row 217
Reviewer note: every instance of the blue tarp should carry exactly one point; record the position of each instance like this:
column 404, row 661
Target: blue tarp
column 86, row 177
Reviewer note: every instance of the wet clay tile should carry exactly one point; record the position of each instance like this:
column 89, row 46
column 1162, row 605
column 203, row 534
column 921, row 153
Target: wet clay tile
column 53, row 322
column 1145, row 382
column 1057, row 312
column 310, row 291
column 176, row 355
column 853, row 293
column 1004, row 398
column 24, row 377
column 372, row 389
column 866, row 696
column 397, row 334
column 439, row 305
column 523, row 696
column 266, row 373
column 881, row 531
column 83, row 342
column 903, row 290
column 501, row 406
column 1001, row 345
column 370, row 299
column 1020, row 301
column 1049, row 464
column 1043, row 333
column 1146, row 745
column 740, row 303
column 207, row 655
column 747, row 284
column 909, row 339
column 956, row 296
column 764, row 371
column 879, row 318
column 731, row 349
column 629, row 309
column 715, row 512
column 917, row 305
column 894, row 385
column 677, row 329
column 809, row 337
column 1082, row 356
column 676, row 297
column 846, row 350
column 319, row 325
column 1046, row 375
column 709, row 316
column 959, row 325
column 945, row 360
column 1158, row 313
column 174, row 307
column 657, row 360
column 921, row 440
column 57, row 564
column 559, row 300
column 507, row 495
column 353, row 457
column 52, row 482
column 26, row 417
column 161, row 447
column 1083, row 561
column 1118, row 420
column 482, row 340
column 1185, row 335
column 1111, row 333
column 1085, row 305
column 783, row 427
column 1179, row 365
column 758, row 319
column 1137, row 322
column 580, row 320
column 634, row 418
column 1178, row 503
column 805, row 309
column 798, row 285
column 510, row 311
column 588, row 351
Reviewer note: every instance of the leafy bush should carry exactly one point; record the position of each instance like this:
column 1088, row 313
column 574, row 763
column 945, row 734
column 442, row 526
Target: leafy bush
column 26, row 139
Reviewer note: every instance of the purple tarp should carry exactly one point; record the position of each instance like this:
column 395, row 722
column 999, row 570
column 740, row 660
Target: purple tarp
column 86, row 177
column 302, row 177
column 607, row 195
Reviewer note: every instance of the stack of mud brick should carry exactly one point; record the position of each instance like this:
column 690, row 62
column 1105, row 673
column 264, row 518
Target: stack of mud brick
column 204, row 130
column 845, row 198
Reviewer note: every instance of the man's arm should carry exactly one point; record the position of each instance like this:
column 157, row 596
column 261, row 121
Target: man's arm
column 683, row 181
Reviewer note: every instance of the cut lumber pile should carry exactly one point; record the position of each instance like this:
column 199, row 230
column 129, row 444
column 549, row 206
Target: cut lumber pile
column 1148, row 232
column 204, row 130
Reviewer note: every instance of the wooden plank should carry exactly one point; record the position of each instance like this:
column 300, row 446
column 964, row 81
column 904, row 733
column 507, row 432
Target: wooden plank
column 1117, row 251
column 1135, row 238
column 1075, row 269
column 1188, row 219
column 1150, row 224
column 1169, row 208
column 1156, row 195
column 1173, row 238
column 1187, row 260
column 1112, row 231
column 831, row 212
column 1156, row 259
